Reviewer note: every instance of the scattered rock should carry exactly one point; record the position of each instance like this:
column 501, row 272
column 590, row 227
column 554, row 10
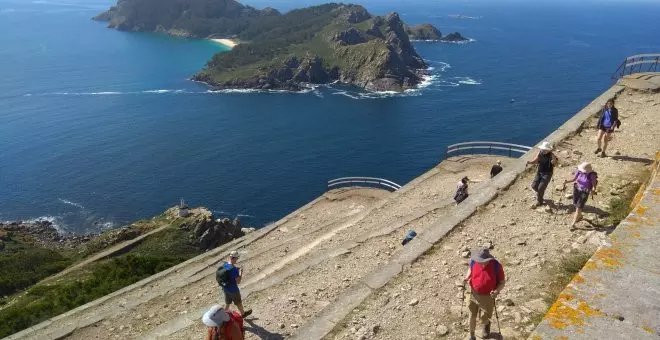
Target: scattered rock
column 375, row 328
column 293, row 325
column 413, row 302
column 282, row 325
column 508, row 302
column 442, row 330
column 465, row 254
column 537, row 305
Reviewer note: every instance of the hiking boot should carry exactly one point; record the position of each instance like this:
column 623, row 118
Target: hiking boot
column 597, row 151
column 472, row 337
column 246, row 313
column 603, row 155
column 486, row 331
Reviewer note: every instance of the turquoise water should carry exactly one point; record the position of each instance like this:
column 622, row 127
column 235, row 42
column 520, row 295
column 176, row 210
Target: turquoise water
column 101, row 127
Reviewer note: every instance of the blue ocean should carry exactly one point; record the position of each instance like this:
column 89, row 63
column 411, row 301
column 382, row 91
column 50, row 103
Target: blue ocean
column 99, row 128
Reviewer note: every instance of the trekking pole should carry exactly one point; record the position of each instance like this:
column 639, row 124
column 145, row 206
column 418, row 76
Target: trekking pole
column 463, row 301
column 497, row 317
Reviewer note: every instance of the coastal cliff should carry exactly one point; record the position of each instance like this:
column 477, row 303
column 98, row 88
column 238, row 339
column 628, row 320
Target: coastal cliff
column 90, row 266
column 315, row 45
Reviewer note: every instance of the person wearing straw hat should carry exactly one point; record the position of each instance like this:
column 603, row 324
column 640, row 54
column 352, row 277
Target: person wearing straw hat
column 546, row 161
column 221, row 325
column 584, row 183
column 608, row 121
column 486, row 279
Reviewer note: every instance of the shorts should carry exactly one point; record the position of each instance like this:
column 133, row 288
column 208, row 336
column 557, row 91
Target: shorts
column 607, row 130
column 234, row 298
column 580, row 197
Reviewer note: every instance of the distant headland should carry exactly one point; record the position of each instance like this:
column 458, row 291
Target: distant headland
column 315, row 45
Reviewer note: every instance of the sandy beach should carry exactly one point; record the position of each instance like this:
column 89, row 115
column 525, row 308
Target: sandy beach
column 227, row 42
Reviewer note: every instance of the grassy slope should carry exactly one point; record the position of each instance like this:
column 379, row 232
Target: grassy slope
column 42, row 301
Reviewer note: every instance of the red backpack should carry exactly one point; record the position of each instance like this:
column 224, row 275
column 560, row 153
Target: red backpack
column 483, row 280
column 234, row 317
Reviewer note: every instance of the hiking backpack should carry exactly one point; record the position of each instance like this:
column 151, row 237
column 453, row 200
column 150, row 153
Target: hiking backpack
column 238, row 319
column 496, row 267
column 223, row 275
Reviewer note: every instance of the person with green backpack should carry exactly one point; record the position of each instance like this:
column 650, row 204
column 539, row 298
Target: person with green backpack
column 228, row 277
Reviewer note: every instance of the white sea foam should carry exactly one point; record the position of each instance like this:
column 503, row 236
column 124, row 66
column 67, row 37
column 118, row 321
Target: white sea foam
column 469, row 40
column 243, row 215
column 77, row 205
column 54, row 221
column 467, row 81
column 427, row 80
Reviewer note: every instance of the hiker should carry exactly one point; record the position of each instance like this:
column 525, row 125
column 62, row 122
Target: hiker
column 223, row 325
column 462, row 190
column 546, row 161
column 584, row 183
column 228, row 277
column 486, row 279
column 609, row 119
column 496, row 169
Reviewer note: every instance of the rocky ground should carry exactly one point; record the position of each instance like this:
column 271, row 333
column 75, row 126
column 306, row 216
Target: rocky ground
column 324, row 237
column 424, row 302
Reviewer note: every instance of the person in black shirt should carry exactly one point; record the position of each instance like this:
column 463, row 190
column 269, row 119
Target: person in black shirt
column 546, row 161
column 496, row 169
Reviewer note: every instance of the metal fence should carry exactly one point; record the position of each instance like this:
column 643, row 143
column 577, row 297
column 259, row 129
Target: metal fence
column 363, row 181
column 489, row 147
column 638, row 63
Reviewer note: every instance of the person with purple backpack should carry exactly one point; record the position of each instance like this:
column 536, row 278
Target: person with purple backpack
column 584, row 183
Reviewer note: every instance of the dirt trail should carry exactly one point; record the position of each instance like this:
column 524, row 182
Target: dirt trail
column 424, row 301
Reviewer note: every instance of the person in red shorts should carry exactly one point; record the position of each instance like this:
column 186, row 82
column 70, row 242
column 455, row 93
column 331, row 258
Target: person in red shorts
column 486, row 279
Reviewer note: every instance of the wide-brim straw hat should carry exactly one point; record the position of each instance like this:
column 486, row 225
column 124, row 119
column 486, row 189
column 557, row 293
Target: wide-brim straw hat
column 481, row 255
column 585, row 167
column 215, row 317
column 546, row 146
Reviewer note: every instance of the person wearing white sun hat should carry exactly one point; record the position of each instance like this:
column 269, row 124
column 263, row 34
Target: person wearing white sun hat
column 222, row 325
column 546, row 161
column 584, row 183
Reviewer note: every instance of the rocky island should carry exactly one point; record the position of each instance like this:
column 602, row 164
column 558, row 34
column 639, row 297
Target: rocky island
column 428, row 32
column 315, row 45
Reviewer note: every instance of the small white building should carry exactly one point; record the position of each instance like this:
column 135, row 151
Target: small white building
column 184, row 211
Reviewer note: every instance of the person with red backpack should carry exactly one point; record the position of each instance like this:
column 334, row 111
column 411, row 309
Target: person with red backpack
column 223, row 324
column 486, row 278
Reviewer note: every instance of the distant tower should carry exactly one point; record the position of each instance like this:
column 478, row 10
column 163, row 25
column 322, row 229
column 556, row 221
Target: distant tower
column 183, row 209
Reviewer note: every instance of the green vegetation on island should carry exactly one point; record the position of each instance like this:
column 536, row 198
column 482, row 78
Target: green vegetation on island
column 31, row 253
column 317, row 45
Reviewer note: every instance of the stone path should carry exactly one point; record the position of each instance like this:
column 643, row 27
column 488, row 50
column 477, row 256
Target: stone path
column 600, row 302
column 424, row 301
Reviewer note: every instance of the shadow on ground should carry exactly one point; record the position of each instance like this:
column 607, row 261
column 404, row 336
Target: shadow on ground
column 644, row 161
column 261, row 332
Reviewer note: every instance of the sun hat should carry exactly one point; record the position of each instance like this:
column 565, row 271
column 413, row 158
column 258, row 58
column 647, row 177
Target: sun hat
column 585, row 167
column 546, row 146
column 215, row 316
column 499, row 162
column 234, row 254
column 481, row 255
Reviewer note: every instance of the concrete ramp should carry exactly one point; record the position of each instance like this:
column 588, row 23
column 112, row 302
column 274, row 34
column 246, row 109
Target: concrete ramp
column 617, row 293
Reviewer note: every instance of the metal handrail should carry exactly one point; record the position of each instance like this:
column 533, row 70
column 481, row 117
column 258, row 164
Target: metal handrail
column 469, row 146
column 628, row 65
column 352, row 181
